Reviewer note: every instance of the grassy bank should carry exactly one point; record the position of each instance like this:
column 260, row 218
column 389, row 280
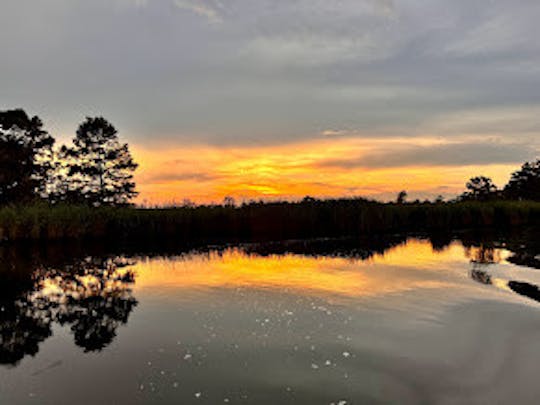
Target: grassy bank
column 284, row 220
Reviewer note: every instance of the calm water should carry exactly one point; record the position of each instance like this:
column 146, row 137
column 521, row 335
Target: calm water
column 303, row 323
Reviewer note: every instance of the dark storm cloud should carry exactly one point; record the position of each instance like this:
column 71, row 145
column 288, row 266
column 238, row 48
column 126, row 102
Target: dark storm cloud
column 454, row 154
column 270, row 71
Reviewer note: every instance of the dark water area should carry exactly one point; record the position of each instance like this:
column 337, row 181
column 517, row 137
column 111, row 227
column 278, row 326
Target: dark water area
column 446, row 319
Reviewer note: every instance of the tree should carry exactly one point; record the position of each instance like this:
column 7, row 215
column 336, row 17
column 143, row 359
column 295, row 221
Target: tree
column 480, row 188
column 525, row 183
column 229, row 202
column 25, row 150
column 401, row 197
column 98, row 167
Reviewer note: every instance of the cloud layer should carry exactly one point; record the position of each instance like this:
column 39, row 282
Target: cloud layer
column 252, row 74
column 373, row 167
column 273, row 70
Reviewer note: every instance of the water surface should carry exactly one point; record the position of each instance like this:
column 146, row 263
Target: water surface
column 408, row 321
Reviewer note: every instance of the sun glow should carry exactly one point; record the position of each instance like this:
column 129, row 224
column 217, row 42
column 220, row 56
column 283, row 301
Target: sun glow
column 319, row 168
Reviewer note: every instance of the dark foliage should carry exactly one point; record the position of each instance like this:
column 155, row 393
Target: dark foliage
column 402, row 196
column 25, row 157
column 262, row 221
column 480, row 188
column 525, row 183
column 98, row 168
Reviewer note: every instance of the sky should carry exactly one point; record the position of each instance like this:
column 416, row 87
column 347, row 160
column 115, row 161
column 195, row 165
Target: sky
column 278, row 99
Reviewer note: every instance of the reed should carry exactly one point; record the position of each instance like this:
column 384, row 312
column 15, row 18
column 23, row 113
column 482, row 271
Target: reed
column 276, row 220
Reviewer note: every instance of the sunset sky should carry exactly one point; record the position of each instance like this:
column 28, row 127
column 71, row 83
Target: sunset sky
column 286, row 98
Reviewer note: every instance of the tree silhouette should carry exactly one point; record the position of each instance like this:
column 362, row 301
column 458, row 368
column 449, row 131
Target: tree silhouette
column 99, row 168
column 23, row 324
column 480, row 188
column 401, row 197
column 525, row 183
column 25, row 157
column 92, row 296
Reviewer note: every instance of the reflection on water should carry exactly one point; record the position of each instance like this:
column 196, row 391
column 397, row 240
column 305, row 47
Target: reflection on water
column 394, row 320
column 482, row 257
column 329, row 277
column 92, row 296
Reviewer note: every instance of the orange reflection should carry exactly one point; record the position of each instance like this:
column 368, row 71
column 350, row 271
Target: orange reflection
column 417, row 253
column 294, row 273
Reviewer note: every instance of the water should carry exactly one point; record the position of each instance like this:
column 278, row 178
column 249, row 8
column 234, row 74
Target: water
column 405, row 321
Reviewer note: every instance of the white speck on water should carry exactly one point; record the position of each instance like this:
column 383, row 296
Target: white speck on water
column 175, row 384
column 346, row 354
column 328, row 363
column 149, row 363
column 188, row 356
column 141, row 387
column 314, row 366
column 162, row 372
column 198, row 394
column 226, row 400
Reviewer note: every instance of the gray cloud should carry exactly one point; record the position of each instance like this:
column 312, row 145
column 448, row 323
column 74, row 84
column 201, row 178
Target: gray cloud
column 178, row 177
column 453, row 154
column 269, row 71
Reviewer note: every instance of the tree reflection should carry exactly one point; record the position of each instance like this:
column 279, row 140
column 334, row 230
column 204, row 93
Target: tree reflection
column 481, row 276
column 92, row 296
column 483, row 256
column 22, row 328
column 526, row 289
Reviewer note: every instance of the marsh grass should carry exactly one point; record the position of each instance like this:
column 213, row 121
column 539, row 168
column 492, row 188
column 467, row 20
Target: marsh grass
column 277, row 220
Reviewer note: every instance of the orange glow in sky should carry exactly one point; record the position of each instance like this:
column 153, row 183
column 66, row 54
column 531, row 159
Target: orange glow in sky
column 325, row 167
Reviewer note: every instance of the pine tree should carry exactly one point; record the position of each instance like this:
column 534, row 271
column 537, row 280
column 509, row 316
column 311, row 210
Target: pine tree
column 99, row 169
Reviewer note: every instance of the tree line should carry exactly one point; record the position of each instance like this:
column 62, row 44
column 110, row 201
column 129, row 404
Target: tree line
column 96, row 169
column 524, row 184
